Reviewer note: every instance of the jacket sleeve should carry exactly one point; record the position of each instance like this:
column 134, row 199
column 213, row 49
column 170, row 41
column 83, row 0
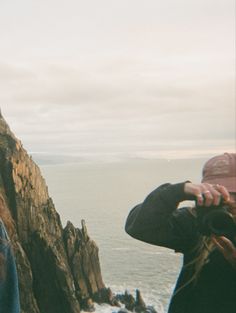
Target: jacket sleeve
column 158, row 221
column 9, row 293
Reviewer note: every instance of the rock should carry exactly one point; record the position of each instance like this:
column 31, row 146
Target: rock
column 88, row 305
column 59, row 269
column 134, row 304
column 140, row 305
column 106, row 296
column 83, row 259
column 150, row 309
column 127, row 299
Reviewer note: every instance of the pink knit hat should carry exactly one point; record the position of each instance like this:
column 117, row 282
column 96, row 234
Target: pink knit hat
column 221, row 169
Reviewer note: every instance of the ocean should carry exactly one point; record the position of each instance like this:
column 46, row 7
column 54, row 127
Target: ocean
column 102, row 193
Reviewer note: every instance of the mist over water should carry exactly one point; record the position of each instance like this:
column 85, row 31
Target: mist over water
column 102, row 194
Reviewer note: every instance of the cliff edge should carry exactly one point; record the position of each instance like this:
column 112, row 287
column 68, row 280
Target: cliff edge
column 59, row 269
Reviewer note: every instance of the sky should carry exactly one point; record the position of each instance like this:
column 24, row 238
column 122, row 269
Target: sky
column 114, row 79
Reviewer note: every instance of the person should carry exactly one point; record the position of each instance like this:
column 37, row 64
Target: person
column 9, row 292
column 207, row 280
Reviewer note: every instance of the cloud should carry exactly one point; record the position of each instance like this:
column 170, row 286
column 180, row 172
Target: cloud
column 82, row 108
column 146, row 78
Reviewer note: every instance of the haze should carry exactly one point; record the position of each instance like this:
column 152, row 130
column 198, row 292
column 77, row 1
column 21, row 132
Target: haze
column 127, row 78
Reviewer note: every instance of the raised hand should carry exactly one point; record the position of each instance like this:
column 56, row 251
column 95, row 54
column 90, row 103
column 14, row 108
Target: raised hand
column 207, row 194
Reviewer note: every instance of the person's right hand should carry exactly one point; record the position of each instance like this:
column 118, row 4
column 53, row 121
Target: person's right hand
column 207, row 194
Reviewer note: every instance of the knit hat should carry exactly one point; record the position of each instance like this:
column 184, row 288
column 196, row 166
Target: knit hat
column 221, row 169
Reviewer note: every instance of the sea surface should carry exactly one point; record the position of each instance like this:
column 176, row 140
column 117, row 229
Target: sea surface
column 102, row 194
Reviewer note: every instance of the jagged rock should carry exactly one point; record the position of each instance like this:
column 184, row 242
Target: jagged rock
column 127, row 299
column 88, row 305
column 105, row 295
column 82, row 254
column 110, row 298
column 25, row 279
column 140, row 305
column 58, row 268
column 134, row 304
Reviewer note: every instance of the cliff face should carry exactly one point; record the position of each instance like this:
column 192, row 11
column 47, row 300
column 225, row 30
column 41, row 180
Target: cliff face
column 59, row 270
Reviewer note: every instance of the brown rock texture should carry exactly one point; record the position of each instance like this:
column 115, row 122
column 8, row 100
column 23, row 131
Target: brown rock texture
column 59, row 269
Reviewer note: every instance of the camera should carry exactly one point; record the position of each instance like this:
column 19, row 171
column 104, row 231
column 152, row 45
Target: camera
column 216, row 220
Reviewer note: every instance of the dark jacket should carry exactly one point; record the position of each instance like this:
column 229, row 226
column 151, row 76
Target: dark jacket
column 158, row 221
column 9, row 294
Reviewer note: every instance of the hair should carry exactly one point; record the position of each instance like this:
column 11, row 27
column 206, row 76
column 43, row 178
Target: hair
column 5, row 216
column 202, row 251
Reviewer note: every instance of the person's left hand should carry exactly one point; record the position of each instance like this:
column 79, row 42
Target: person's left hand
column 227, row 248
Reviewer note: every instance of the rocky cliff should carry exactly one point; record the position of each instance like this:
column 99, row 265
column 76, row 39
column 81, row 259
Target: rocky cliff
column 59, row 270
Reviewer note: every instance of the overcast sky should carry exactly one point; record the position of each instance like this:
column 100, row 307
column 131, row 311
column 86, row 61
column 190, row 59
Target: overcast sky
column 145, row 78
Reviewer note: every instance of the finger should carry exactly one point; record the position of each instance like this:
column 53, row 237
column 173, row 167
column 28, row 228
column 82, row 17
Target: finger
column 200, row 199
column 217, row 244
column 223, row 191
column 226, row 244
column 207, row 192
column 211, row 195
column 195, row 191
column 227, row 254
column 216, row 196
